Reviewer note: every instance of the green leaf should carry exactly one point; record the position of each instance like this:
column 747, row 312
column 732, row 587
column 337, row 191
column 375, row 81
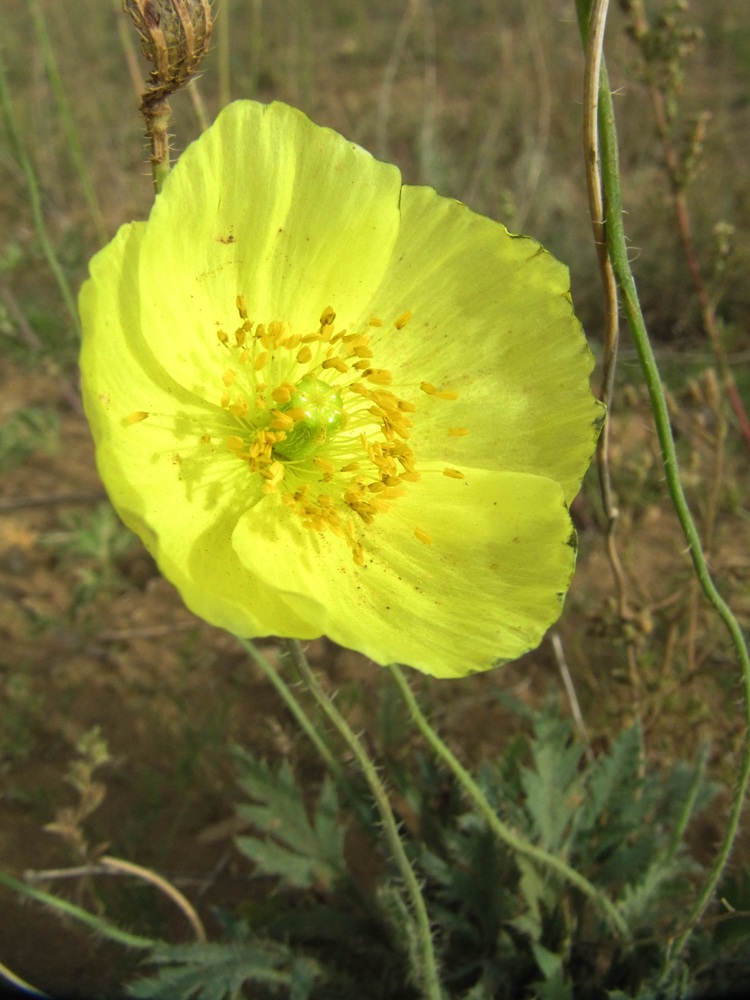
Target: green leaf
column 555, row 986
column 218, row 971
column 553, row 787
column 306, row 853
column 610, row 776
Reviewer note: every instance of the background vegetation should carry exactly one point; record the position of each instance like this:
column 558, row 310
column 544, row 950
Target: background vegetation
column 481, row 100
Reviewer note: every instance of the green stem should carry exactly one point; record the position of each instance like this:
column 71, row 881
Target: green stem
column 158, row 115
column 35, row 199
column 71, row 133
column 618, row 251
column 306, row 725
column 98, row 925
column 429, row 972
column 503, row 832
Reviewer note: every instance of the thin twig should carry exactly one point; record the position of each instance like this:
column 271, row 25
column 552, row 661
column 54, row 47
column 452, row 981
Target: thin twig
column 570, row 690
column 677, row 185
column 107, row 865
column 618, row 251
column 594, row 40
column 146, row 875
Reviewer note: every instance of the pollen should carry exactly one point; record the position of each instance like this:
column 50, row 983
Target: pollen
column 338, row 363
column 326, row 429
column 378, row 376
column 135, row 418
column 453, row 474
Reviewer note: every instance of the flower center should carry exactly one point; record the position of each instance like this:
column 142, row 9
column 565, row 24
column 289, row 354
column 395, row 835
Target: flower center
column 314, row 418
column 322, row 415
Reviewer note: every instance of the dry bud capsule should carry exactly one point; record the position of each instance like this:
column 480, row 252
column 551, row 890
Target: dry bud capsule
column 174, row 37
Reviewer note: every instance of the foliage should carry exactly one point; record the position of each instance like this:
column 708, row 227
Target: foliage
column 212, row 972
column 26, row 431
column 93, row 543
column 307, row 854
column 500, row 922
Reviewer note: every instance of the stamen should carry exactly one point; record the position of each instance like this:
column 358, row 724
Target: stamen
column 292, row 430
column 453, row 474
column 135, row 418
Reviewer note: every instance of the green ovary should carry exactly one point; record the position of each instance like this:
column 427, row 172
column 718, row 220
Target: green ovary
column 324, row 415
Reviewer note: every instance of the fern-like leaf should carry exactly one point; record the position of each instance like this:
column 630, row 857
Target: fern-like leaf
column 306, row 852
column 218, row 972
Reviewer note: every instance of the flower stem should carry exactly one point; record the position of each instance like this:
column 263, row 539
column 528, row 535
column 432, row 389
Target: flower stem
column 503, row 832
column 430, row 980
column 590, row 11
column 157, row 115
column 307, row 726
column 98, row 925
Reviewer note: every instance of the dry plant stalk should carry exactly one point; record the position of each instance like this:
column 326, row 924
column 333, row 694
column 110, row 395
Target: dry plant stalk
column 663, row 47
column 174, row 38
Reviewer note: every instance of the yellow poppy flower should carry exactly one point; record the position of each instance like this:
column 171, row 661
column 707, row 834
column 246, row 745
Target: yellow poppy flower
column 332, row 404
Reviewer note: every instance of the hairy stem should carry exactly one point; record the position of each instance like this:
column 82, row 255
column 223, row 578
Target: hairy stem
column 503, row 832
column 618, row 253
column 428, row 973
column 96, row 924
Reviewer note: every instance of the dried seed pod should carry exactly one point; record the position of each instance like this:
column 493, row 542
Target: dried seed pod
column 174, row 38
